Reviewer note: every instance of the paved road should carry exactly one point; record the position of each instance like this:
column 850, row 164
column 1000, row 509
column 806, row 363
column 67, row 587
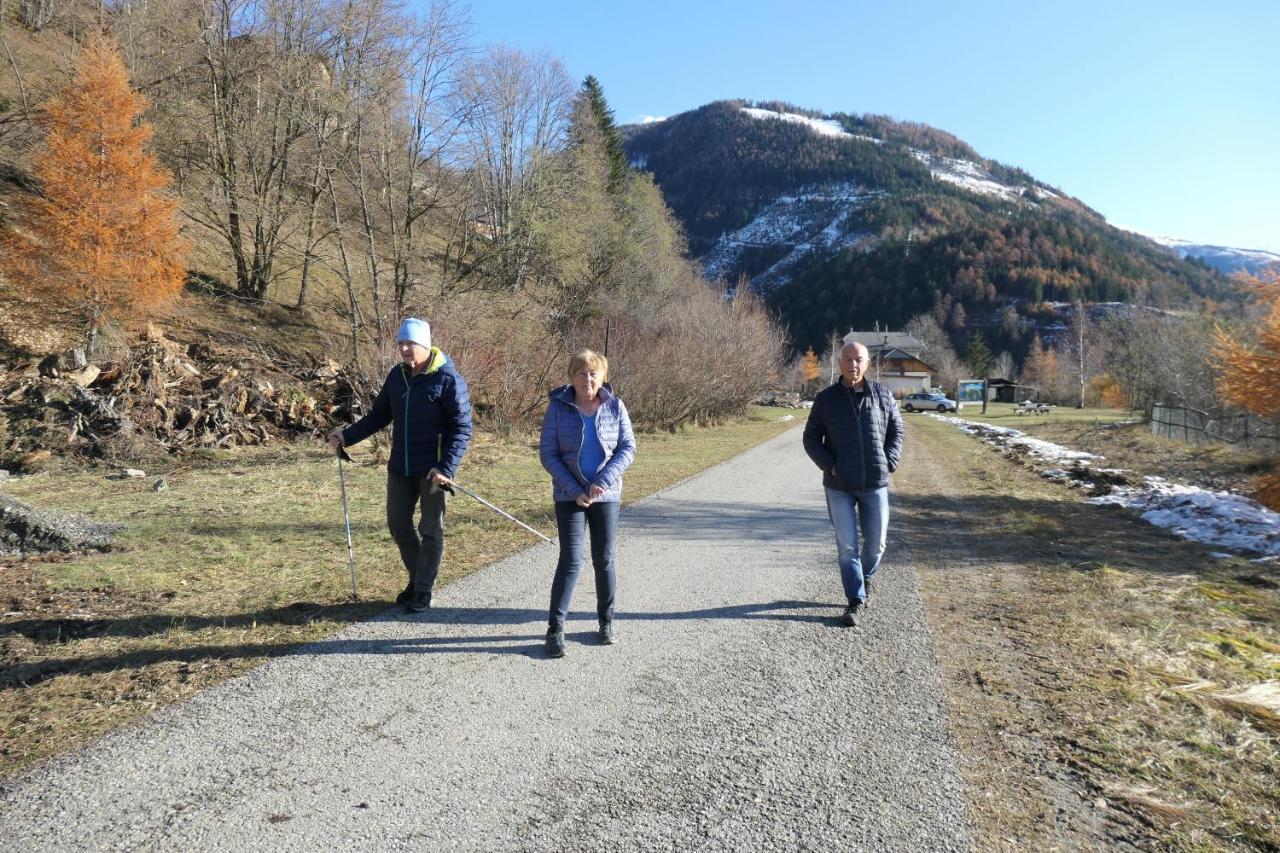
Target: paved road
column 734, row 713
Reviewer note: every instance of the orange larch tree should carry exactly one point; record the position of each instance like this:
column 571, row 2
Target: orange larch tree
column 102, row 237
column 810, row 369
column 1249, row 376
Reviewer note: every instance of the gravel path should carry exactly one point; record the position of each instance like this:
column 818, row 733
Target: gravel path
column 733, row 713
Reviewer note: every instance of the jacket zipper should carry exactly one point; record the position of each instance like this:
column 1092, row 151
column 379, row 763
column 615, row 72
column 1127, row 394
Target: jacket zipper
column 408, row 389
column 862, row 451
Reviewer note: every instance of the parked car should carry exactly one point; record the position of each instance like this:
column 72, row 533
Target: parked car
column 924, row 401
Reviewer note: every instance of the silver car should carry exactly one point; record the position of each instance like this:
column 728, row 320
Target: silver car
column 928, row 402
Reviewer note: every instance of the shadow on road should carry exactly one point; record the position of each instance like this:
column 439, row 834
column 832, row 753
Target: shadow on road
column 28, row 674
column 728, row 521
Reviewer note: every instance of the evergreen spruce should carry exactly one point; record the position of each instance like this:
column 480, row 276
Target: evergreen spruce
column 610, row 137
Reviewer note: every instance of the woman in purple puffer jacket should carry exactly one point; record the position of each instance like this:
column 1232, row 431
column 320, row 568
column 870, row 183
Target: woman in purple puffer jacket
column 586, row 444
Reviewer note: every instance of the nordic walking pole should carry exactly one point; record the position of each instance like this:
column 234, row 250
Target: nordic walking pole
column 500, row 512
column 346, row 519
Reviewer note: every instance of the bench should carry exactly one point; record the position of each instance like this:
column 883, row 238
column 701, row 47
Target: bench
column 1027, row 407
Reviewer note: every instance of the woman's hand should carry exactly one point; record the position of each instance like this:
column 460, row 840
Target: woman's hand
column 335, row 440
column 595, row 493
column 438, row 479
column 583, row 501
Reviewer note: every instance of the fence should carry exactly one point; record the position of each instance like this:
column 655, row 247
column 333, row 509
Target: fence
column 1196, row 427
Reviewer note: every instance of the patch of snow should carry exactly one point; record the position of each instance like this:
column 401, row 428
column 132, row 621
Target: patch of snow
column 644, row 119
column 1007, row 437
column 1226, row 258
column 1224, row 519
column 1042, row 193
column 966, row 174
column 821, row 126
column 811, row 220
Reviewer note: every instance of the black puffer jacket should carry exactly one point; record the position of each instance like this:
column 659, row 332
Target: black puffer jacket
column 859, row 435
column 430, row 417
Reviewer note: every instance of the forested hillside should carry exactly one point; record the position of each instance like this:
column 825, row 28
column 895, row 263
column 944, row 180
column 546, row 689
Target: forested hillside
column 847, row 220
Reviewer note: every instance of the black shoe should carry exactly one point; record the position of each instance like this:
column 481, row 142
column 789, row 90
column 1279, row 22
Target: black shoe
column 405, row 594
column 852, row 615
column 868, row 587
column 555, row 643
column 418, row 602
column 607, row 636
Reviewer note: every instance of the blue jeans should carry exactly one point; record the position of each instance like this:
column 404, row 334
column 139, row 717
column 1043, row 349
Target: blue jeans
column 572, row 522
column 851, row 512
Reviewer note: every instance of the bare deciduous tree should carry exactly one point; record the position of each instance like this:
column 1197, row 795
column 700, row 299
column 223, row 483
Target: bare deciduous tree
column 521, row 112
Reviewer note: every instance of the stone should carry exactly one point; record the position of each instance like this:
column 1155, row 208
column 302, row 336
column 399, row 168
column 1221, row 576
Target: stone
column 132, row 473
column 160, row 485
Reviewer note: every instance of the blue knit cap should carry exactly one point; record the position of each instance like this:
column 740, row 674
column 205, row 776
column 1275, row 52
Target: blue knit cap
column 413, row 329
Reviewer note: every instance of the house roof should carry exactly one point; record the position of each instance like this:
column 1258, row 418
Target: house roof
column 877, row 341
column 895, row 354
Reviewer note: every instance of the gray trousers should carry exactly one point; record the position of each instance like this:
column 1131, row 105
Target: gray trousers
column 422, row 548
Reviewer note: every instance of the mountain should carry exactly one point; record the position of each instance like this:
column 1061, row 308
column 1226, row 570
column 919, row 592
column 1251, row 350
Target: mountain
column 844, row 220
column 1226, row 259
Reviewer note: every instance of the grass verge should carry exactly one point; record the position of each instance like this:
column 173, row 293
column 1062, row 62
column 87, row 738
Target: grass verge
column 242, row 559
column 1127, row 442
column 1110, row 685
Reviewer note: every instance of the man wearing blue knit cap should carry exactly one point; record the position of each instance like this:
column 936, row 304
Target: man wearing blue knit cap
column 424, row 398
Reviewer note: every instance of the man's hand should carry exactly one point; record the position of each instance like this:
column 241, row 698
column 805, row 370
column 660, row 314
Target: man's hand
column 595, row 493
column 335, row 440
column 439, row 479
column 583, row 501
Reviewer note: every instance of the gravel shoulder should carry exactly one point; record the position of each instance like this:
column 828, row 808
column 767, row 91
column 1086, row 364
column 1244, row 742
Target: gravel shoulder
column 733, row 714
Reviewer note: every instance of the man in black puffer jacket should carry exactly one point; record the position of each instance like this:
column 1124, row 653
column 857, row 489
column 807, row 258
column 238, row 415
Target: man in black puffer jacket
column 854, row 434
column 425, row 400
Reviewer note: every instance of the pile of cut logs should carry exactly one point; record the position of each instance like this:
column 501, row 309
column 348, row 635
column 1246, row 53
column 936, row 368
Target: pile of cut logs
column 182, row 396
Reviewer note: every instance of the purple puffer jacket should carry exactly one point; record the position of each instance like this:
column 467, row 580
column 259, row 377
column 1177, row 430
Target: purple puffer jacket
column 561, row 443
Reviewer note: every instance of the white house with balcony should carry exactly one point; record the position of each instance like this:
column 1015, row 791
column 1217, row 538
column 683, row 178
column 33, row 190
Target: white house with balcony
column 897, row 360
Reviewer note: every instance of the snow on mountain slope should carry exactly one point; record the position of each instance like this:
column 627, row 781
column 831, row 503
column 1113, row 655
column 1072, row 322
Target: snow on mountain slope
column 967, row 174
column 1228, row 259
column 820, row 126
column 961, row 173
column 814, row 220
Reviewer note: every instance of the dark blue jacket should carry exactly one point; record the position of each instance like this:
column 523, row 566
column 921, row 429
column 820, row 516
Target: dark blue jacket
column 857, row 435
column 561, row 443
column 430, row 414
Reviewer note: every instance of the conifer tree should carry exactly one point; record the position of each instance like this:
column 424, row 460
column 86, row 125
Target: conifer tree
column 102, row 238
column 1041, row 368
column 810, row 369
column 610, row 137
column 978, row 355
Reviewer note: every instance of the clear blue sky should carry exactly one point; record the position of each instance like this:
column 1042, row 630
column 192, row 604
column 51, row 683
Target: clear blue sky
column 1163, row 116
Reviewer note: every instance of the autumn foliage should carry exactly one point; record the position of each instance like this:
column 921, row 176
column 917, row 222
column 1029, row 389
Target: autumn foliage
column 1250, row 375
column 102, row 237
column 809, row 367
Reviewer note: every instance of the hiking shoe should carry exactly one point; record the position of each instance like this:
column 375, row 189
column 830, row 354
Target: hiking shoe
column 607, row 636
column 851, row 616
column 405, row 594
column 555, row 643
column 868, row 587
column 418, row 602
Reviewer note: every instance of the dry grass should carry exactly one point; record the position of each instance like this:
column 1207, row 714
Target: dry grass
column 1129, row 676
column 1128, row 443
column 241, row 560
